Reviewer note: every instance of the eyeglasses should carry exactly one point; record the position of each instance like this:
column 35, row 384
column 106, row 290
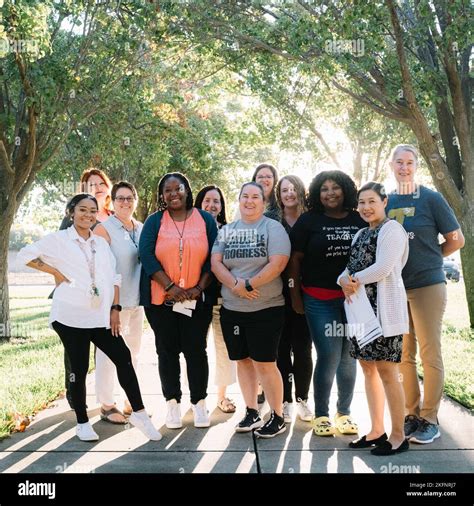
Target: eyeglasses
column 264, row 177
column 125, row 199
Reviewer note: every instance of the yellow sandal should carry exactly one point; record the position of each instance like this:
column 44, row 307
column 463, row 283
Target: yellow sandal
column 345, row 425
column 322, row 426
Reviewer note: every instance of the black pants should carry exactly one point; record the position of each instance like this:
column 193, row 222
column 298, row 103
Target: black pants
column 67, row 377
column 296, row 340
column 77, row 344
column 176, row 333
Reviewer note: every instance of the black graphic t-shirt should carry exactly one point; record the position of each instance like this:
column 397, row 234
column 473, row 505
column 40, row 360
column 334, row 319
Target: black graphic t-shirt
column 326, row 244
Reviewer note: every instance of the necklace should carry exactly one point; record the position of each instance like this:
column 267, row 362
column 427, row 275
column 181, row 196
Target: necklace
column 180, row 239
column 131, row 233
column 94, row 290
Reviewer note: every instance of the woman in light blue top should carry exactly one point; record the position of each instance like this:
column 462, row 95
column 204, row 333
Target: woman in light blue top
column 122, row 232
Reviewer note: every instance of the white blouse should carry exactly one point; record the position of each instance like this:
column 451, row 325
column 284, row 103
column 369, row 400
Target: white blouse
column 72, row 302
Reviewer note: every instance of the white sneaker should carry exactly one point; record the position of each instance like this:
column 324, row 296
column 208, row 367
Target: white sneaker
column 143, row 423
column 287, row 411
column 173, row 418
column 303, row 411
column 201, row 414
column 85, row 432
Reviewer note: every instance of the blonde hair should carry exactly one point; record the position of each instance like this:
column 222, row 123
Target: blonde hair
column 403, row 147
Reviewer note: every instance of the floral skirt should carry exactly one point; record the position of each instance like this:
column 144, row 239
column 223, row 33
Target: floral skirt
column 382, row 348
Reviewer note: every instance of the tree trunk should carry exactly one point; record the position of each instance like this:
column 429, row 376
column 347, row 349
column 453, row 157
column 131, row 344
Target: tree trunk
column 6, row 222
column 357, row 163
column 467, row 258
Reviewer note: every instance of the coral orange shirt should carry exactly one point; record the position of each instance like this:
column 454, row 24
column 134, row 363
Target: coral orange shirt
column 194, row 254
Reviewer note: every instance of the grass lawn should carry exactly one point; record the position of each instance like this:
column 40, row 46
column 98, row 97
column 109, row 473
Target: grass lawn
column 31, row 367
column 32, row 370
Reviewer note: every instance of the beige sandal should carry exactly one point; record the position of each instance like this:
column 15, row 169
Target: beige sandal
column 105, row 413
column 227, row 405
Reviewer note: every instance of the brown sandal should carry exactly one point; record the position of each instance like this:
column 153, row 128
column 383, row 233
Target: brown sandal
column 227, row 405
column 105, row 413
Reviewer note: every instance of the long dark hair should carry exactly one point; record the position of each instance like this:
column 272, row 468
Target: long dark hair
column 189, row 198
column 348, row 186
column 272, row 201
column 70, row 206
column 221, row 217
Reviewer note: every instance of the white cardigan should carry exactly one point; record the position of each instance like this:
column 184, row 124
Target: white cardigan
column 391, row 256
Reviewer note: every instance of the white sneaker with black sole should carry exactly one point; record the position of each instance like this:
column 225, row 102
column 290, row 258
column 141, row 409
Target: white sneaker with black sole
column 275, row 425
column 250, row 421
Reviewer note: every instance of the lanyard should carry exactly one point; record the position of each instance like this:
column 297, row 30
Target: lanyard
column 94, row 291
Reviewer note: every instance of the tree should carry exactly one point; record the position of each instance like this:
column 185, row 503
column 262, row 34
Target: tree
column 408, row 62
column 59, row 65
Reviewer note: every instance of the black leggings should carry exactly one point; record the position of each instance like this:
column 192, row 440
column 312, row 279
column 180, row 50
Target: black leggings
column 295, row 339
column 176, row 333
column 77, row 344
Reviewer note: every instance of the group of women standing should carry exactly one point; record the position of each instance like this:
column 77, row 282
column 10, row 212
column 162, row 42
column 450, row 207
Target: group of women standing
column 283, row 275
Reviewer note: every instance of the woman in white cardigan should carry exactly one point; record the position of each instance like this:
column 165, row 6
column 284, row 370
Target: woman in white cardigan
column 378, row 254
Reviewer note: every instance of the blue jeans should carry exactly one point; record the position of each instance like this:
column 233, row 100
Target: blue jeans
column 326, row 322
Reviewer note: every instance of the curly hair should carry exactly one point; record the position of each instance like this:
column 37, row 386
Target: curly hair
column 299, row 189
column 189, row 198
column 221, row 217
column 347, row 184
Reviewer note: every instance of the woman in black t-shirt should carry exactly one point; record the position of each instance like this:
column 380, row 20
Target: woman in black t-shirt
column 294, row 351
column 321, row 241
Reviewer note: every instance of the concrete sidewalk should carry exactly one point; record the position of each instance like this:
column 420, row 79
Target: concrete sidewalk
column 49, row 444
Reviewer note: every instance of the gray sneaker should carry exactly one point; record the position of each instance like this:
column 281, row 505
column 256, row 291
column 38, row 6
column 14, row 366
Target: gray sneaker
column 426, row 433
column 411, row 425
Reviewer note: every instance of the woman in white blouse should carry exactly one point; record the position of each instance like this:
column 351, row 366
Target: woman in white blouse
column 85, row 308
column 378, row 254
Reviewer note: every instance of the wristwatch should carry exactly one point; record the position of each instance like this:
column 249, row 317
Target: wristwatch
column 118, row 307
column 248, row 286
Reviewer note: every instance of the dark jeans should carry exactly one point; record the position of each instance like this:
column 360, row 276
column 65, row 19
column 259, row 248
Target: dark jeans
column 296, row 340
column 326, row 319
column 177, row 333
column 77, row 344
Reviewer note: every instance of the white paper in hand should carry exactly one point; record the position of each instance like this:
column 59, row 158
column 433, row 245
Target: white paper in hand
column 185, row 307
column 362, row 321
